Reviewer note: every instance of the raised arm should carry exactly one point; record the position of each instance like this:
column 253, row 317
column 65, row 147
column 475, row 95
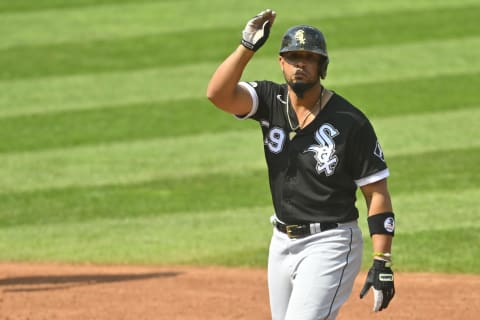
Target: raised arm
column 223, row 88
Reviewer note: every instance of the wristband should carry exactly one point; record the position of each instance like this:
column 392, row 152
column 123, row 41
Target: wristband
column 382, row 223
column 383, row 255
column 387, row 257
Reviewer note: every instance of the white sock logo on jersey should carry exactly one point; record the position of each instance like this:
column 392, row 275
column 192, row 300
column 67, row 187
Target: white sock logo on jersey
column 325, row 150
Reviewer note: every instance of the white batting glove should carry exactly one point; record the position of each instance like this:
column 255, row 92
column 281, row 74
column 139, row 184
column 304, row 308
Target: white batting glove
column 257, row 30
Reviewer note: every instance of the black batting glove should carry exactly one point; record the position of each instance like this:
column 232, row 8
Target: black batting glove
column 257, row 30
column 380, row 276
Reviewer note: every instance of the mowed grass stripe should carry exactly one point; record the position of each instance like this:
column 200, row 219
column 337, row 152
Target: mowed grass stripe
column 245, row 233
column 414, row 178
column 413, row 217
column 94, row 22
column 171, row 119
column 164, row 239
column 132, row 162
column 210, row 192
column 438, row 250
column 126, row 20
column 235, row 151
column 153, row 51
column 435, row 170
column 114, row 124
column 240, row 245
column 23, row 6
column 414, row 96
column 386, row 63
column 417, row 134
column 414, row 208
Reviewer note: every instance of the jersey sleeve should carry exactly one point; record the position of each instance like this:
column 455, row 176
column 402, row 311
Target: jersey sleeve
column 259, row 91
column 368, row 162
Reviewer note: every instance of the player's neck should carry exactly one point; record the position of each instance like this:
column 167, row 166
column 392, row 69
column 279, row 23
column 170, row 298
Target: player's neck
column 309, row 100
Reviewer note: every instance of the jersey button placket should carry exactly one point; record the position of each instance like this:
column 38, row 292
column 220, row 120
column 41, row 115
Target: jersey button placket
column 290, row 182
column 289, row 187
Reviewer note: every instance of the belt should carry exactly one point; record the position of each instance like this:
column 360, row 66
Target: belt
column 295, row 231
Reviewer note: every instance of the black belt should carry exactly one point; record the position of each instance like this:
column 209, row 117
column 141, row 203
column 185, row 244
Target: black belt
column 295, row 231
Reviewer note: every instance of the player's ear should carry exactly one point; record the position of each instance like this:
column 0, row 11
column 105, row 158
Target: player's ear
column 281, row 61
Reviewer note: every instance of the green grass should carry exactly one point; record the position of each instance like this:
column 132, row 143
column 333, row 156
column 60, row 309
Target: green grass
column 23, row 6
column 187, row 81
column 139, row 121
column 138, row 52
column 215, row 191
column 111, row 153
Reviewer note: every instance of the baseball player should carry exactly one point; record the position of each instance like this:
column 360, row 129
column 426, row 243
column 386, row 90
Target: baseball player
column 319, row 149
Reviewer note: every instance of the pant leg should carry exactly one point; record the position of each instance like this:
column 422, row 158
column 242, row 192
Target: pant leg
column 279, row 275
column 326, row 269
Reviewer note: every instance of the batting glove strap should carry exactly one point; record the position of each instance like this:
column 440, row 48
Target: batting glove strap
column 257, row 30
column 380, row 276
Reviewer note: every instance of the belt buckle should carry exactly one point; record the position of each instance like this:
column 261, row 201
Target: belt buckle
column 289, row 229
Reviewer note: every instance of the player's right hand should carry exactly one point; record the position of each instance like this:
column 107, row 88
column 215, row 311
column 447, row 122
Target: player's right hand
column 257, row 30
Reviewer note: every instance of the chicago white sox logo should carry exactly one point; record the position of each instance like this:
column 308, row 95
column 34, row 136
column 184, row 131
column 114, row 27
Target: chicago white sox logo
column 325, row 150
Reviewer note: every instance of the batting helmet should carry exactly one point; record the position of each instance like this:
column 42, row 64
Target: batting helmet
column 306, row 38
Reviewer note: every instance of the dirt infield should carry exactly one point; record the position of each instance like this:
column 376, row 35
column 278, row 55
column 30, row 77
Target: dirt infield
column 64, row 292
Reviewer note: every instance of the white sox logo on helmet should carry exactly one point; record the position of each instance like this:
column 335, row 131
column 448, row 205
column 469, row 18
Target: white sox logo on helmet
column 325, row 150
column 300, row 36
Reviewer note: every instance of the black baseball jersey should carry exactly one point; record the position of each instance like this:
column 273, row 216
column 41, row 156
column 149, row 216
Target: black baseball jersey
column 314, row 176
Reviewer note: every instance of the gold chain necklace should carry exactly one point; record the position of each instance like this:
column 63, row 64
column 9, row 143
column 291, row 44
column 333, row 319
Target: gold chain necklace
column 301, row 125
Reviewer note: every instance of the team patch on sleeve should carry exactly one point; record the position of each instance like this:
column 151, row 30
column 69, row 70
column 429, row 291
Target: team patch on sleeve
column 378, row 151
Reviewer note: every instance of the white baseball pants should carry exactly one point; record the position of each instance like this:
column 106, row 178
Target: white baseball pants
column 310, row 278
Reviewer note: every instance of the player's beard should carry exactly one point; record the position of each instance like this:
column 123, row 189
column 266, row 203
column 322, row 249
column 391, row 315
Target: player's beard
column 300, row 87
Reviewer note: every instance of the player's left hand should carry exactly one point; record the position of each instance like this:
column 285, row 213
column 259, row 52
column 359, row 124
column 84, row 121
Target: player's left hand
column 380, row 276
